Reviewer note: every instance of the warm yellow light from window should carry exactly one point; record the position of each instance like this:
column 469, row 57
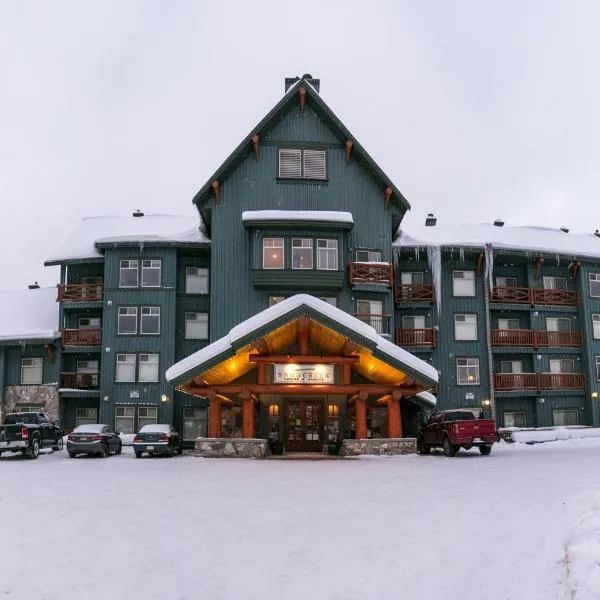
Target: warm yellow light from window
column 273, row 410
column 333, row 410
column 471, row 378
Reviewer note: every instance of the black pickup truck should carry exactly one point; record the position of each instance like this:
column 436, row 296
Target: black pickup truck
column 28, row 432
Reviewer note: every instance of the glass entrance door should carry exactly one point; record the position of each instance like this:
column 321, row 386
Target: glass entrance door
column 304, row 425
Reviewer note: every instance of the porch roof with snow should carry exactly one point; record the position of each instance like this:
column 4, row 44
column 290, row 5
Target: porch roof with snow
column 376, row 359
column 273, row 218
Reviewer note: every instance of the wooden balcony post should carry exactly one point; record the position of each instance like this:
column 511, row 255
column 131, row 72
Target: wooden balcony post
column 247, row 414
column 361, row 416
column 394, row 416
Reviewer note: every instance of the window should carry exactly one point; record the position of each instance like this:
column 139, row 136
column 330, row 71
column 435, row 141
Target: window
column 125, row 419
column 598, row 368
column 467, row 371
column 86, row 416
column 87, row 371
column 413, row 322
column 555, row 283
column 31, row 371
column 273, row 300
column 327, row 255
column 196, row 280
column 565, row 417
column 505, row 282
column 514, row 419
column 368, row 256
column 125, row 370
column 412, row 278
column 329, row 300
column 194, row 423
column 511, row 366
column 302, row 164
column 89, row 323
column 465, row 327
column 370, row 312
column 148, row 369
column 596, row 326
column 463, row 283
column 127, row 324
column 151, row 273
column 558, row 324
column 562, row 365
column 595, row 285
column 150, row 320
column 196, row 326
column 302, row 253
column 147, row 415
column 128, row 273
column 508, row 323
column 273, row 253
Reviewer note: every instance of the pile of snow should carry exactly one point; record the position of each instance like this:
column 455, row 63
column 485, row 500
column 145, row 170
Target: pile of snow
column 29, row 315
column 551, row 434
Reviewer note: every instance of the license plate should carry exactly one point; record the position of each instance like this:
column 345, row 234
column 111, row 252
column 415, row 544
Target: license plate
column 3, row 444
column 149, row 447
column 83, row 439
column 476, row 439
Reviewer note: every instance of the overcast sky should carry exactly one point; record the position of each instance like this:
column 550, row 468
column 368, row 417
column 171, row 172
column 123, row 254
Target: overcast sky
column 474, row 109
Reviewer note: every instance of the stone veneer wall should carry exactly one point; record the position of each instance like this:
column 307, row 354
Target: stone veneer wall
column 379, row 446
column 230, row 447
column 44, row 396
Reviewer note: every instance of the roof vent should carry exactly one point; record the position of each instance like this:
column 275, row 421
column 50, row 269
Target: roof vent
column 499, row 222
column 138, row 213
column 430, row 221
column 565, row 229
column 597, row 233
column 34, row 286
column 290, row 81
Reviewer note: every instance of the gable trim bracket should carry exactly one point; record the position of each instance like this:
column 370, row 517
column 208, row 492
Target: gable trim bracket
column 349, row 147
column 302, row 98
column 387, row 196
column 255, row 147
column 216, row 190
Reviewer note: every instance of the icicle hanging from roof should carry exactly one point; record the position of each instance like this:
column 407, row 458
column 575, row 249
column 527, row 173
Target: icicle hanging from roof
column 434, row 258
column 489, row 265
column 461, row 254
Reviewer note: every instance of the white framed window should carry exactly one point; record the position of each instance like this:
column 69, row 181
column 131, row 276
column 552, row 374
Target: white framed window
column 368, row 256
column 128, row 273
column 554, row 283
column 89, row 323
column 273, row 253
column 327, row 255
column 302, row 253
column 558, row 324
column 465, row 327
column 412, row 278
column 508, row 324
column 31, row 371
column 562, row 365
column 515, row 419
column 90, row 368
column 127, row 323
column 196, row 280
column 463, row 283
column 148, row 368
column 147, row 415
column 371, row 313
column 594, row 280
column 150, row 320
column 86, row 416
column 506, row 282
column 273, row 300
column 196, row 326
column 511, row 366
column 596, row 326
column 565, row 417
column 151, row 273
column 467, row 371
column 295, row 163
column 125, row 368
column 125, row 419
column 413, row 322
column 598, row 368
column 194, row 422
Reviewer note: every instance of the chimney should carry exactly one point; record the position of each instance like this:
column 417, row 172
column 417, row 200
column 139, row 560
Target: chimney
column 565, row 229
column 597, row 233
column 138, row 213
column 430, row 221
column 499, row 222
column 290, row 81
column 34, row 286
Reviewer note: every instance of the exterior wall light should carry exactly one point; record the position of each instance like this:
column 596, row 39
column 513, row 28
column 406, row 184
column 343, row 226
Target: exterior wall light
column 594, row 394
column 164, row 398
column 485, row 402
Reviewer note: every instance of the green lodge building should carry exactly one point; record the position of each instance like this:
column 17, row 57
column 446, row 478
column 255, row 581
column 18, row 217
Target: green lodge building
column 296, row 309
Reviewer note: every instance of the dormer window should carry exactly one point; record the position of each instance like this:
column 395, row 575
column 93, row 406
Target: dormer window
column 296, row 163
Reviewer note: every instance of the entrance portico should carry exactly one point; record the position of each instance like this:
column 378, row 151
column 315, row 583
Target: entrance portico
column 303, row 374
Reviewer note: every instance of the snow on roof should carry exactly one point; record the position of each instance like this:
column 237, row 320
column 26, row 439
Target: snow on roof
column 532, row 239
column 29, row 315
column 81, row 244
column 428, row 398
column 284, row 307
column 327, row 216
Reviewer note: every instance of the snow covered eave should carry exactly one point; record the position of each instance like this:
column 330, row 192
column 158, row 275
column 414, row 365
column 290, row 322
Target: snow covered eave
column 56, row 262
column 42, row 337
column 427, row 399
column 310, row 218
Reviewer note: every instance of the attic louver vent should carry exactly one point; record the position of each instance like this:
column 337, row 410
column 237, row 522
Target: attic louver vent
column 290, row 163
column 302, row 164
column 314, row 164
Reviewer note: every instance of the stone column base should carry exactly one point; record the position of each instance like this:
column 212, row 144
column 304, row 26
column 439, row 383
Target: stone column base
column 230, row 447
column 379, row 446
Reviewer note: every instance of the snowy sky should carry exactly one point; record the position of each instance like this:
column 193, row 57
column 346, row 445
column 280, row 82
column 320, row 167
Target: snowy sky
column 474, row 109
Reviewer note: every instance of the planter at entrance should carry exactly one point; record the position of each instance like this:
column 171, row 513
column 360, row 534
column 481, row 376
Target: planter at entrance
column 276, row 447
column 334, row 448
column 230, row 447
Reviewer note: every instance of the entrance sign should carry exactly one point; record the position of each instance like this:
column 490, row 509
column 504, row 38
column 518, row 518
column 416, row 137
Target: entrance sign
column 304, row 374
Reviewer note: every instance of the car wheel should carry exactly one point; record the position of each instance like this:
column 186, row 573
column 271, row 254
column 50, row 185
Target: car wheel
column 72, row 455
column 104, row 452
column 171, row 452
column 180, row 450
column 59, row 445
column 34, row 449
column 119, row 448
column 449, row 449
column 485, row 450
column 138, row 455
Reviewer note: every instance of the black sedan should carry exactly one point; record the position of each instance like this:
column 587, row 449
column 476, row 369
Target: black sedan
column 157, row 439
column 93, row 439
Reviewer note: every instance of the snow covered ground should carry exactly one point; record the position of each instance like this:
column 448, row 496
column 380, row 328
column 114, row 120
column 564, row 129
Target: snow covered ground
column 523, row 523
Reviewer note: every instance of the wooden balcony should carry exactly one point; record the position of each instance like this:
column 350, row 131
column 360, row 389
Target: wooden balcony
column 406, row 293
column 81, row 337
column 515, row 295
column 380, row 323
column 371, row 272
column 536, row 338
column 79, row 381
column 425, row 338
column 539, row 381
column 80, row 292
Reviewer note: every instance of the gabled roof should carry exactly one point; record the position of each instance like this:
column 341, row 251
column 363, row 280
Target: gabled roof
column 317, row 102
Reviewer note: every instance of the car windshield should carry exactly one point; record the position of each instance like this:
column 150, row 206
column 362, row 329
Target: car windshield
column 90, row 428
column 27, row 418
column 156, row 428
column 459, row 416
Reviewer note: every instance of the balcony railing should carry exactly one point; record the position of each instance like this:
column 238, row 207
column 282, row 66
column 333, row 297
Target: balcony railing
column 536, row 338
column 80, row 292
column 380, row 323
column 370, row 272
column 79, row 381
column 539, row 381
column 81, row 337
column 414, row 293
column 417, row 337
column 516, row 295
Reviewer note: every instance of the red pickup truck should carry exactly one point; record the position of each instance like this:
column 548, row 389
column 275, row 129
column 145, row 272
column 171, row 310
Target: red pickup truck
column 456, row 429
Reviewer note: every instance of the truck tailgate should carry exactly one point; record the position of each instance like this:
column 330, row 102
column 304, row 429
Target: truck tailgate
column 479, row 428
column 10, row 433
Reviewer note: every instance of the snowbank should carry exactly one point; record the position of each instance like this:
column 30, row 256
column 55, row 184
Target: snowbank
column 534, row 436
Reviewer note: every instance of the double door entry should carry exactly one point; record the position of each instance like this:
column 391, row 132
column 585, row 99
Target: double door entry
column 304, row 425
